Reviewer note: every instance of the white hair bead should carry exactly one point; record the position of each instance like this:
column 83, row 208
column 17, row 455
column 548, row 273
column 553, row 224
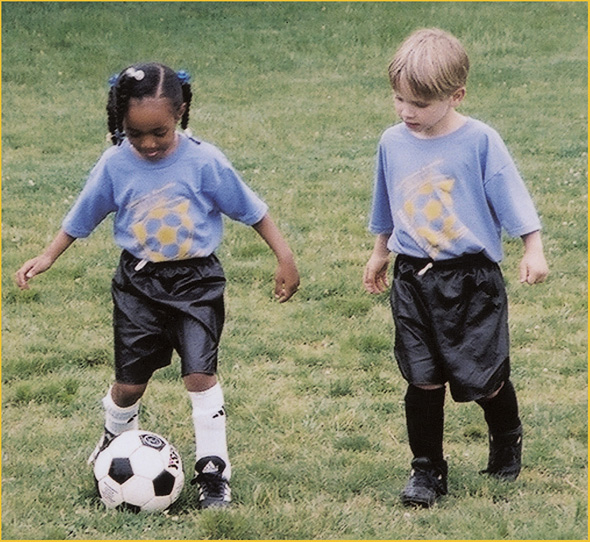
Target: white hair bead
column 138, row 75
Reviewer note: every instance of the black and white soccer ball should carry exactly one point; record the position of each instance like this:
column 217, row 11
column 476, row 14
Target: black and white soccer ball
column 140, row 471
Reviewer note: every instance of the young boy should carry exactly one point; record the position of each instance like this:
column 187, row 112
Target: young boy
column 445, row 186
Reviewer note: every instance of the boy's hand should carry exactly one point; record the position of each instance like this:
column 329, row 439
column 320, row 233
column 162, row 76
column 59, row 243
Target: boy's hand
column 286, row 281
column 533, row 266
column 375, row 275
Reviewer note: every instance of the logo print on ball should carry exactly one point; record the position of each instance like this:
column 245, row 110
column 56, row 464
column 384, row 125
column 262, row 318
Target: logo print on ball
column 174, row 460
column 153, row 441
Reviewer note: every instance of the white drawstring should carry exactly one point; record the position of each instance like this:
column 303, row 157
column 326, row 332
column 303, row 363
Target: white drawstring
column 422, row 271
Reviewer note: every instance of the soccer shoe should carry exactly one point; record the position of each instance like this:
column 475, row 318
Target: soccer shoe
column 106, row 438
column 214, row 490
column 428, row 481
column 504, row 461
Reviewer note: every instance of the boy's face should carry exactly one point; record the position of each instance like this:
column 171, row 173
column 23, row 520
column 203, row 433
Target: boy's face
column 427, row 118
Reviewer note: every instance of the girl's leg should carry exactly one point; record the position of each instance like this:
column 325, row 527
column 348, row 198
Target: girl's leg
column 125, row 395
column 212, row 468
column 197, row 382
column 207, row 401
column 121, row 406
column 121, row 410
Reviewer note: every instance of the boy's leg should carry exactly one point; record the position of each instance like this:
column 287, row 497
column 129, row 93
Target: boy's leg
column 425, row 422
column 505, row 432
column 121, row 409
column 212, row 468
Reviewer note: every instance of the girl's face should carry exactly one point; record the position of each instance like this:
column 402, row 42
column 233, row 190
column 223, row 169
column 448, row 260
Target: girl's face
column 150, row 125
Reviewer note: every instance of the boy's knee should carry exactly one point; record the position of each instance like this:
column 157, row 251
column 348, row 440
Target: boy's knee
column 429, row 387
column 491, row 395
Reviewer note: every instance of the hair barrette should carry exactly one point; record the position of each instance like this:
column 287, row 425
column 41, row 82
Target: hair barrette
column 138, row 75
column 113, row 80
column 183, row 76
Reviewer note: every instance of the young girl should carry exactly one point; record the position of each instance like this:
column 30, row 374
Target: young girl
column 168, row 192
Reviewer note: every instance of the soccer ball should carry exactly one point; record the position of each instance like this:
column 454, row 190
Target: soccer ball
column 140, row 471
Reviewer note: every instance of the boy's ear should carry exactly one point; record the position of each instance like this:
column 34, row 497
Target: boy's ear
column 458, row 96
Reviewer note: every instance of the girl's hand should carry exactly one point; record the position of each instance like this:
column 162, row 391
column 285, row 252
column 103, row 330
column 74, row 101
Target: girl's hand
column 286, row 276
column 42, row 263
column 286, row 281
column 33, row 267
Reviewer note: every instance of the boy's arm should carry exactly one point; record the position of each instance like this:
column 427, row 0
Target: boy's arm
column 375, row 276
column 533, row 266
column 286, row 276
column 44, row 261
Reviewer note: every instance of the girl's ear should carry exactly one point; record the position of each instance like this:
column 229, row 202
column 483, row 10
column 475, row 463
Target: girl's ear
column 181, row 111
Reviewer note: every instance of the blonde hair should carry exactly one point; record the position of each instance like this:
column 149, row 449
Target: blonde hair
column 432, row 62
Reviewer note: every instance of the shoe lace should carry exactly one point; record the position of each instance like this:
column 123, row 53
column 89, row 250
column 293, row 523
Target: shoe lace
column 428, row 478
column 506, row 454
column 211, row 484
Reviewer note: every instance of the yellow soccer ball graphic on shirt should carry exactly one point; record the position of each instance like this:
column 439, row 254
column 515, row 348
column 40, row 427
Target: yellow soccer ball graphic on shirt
column 165, row 233
column 428, row 211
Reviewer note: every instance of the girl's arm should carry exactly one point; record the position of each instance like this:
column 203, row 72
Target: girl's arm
column 286, row 276
column 533, row 266
column 44, row 261
column 375, row 275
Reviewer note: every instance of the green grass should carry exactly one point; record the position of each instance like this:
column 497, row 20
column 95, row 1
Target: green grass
column 297, row 96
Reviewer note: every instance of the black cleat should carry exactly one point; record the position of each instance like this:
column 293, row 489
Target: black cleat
column 106, row 438
column 428, row 481
column 504, row 461
column 214, row 490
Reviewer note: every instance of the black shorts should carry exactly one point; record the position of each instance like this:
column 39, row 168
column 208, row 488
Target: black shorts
column 451, row 324
column 163, row 307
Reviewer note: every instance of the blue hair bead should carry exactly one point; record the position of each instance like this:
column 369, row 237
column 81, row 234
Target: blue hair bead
column 113, row 80
column 183, row 76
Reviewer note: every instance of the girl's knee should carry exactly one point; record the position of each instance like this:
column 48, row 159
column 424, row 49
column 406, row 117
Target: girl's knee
column 125, row 395
column 199, row 381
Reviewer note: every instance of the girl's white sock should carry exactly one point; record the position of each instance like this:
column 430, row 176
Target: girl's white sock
column 209, row 421
column 119, row 419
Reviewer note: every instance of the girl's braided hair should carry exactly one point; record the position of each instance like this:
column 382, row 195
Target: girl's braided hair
column 151, row 80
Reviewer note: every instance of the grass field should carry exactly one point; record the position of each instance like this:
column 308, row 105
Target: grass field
column 296, row 94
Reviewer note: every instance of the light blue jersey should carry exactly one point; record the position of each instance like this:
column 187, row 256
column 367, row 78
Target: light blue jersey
column 448, row 196
column 165, row 210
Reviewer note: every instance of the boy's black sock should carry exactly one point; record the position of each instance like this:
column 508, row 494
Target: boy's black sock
column 425, row 421
column 501, row 412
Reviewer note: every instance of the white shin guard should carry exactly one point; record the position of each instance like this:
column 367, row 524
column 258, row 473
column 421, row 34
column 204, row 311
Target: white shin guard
column 119, row 419
column 209, row 422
